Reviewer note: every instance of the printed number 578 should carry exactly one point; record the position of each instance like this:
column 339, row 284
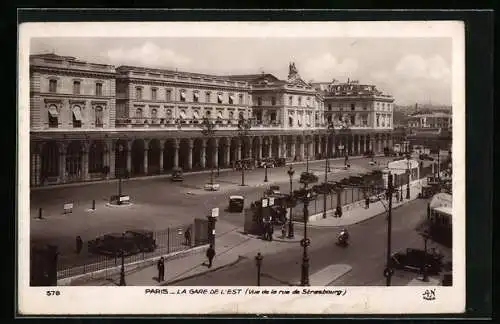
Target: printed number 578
column 53, row 293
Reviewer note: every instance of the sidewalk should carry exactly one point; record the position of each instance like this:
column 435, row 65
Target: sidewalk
column 356, row 213
column 231, row 247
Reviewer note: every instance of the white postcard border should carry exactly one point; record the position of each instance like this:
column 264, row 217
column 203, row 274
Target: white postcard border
column 132, row 300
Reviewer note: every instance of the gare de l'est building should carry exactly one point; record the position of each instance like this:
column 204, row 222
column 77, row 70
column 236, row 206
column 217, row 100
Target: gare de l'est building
column 92, row 121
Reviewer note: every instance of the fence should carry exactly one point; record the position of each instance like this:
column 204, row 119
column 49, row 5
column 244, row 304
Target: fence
column 347, row 196
column 168, row 241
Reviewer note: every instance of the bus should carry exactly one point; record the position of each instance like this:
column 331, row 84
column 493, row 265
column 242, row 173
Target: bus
column 440, row 218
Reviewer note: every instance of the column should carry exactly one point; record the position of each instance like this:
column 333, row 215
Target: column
column 250, row 148
column 162, row 147
column 311, row 150
column 363, row 140
column 62, row 162
column 215, row 153
column 190, row 153
column 301, row 149
column 259, row 156
column 292, row 146
column 35, row 165
column 146, row 150
column 320, row 142
column 111, row 159
column 129, row 157
column 85, row 162
column 203, row 153
column 239, row 152
column 176, row 153
column 227, row 154
column 279, row 140
column 270, row 147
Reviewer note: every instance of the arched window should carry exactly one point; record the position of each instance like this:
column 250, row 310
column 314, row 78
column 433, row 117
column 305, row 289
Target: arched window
column 98, row 116
column 138, row 113
column 169, row 114
column 50, row 160
column 154, row 113
column 74, row 159
column 96, row 157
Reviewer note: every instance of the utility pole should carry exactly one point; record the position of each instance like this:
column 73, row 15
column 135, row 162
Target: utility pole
column 390, row 190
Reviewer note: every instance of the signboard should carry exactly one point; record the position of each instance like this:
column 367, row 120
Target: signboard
column 271, row 201
column 68, row 208
column 264, row 202
column 124, row 198
column 215, row 212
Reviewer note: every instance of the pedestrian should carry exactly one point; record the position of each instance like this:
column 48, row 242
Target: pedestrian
column 79, row 244
column 210, row 255
column 283, row 230
column 161, row 269
column 187, row 236
column 367, row 202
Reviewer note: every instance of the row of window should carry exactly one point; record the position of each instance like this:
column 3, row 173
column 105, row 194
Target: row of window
column 76, row 87
column 76, row 113
column 183, row 97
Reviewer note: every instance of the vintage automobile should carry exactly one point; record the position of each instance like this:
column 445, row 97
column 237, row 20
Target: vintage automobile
column 280, row 162
column 415, row 260
column 273, row 190
column 177, row 174
column 425, row 157
column 112, row 244
column 144, row 239
column 266, row 162
column 247, row 164
column 236, row 204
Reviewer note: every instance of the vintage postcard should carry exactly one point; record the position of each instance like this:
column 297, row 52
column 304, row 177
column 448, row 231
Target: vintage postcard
column 241, row 167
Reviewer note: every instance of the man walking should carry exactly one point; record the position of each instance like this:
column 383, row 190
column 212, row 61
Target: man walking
column 187, row 236
column 210, row 255
column 161, row 269
column 79, row 244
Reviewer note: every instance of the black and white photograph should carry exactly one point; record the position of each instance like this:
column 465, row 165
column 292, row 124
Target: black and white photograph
column 242, row 167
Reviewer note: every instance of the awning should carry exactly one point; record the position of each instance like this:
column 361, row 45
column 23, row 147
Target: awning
column 77, row 113
column 183, row 95
column 196, row 95
column 182, row 114
column 232, row 98
column 53, row 111
column 196, row 114
column 219, row 97
column 219, row 114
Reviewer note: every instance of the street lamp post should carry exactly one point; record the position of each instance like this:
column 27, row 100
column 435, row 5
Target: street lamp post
column 120, row 171
column 290, row 172
column 305, row 242
column 408, row 172
column 265, row 173
column 388, row 272
column 258, row 262
column 330, row 131
column 122, row 269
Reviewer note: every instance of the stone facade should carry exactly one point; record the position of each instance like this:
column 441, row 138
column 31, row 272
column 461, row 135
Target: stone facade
column 78, row 135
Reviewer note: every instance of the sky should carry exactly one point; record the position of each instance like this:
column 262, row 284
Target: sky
column 413, row 70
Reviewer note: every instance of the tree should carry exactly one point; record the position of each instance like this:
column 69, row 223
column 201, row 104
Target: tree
column 244, row 126
column 208, row 129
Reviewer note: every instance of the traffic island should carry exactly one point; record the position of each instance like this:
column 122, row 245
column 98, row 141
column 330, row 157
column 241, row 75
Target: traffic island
column 119, row 201
column 211, row 187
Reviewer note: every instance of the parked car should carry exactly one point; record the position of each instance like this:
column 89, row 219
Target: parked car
column 280, row 162
column 112, row 244
column 177, row 174
column 236, row 204
column 425, row 157
column 415, row 259
column 144, row 239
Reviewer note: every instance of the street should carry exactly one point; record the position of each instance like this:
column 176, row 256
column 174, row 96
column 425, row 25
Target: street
column 366, row 254
column 160, row 204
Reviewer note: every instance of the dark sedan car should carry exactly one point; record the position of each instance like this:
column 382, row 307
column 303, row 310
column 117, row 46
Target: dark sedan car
column 415, row 260
column 143, row 239
column 112, row 244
